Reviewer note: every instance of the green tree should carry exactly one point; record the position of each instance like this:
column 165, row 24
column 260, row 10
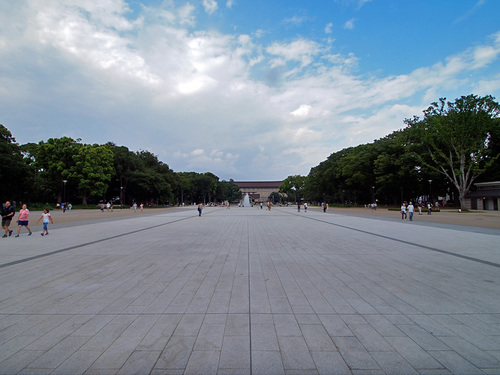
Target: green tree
column 227, row 191
column 293, row 187
column 54, row 161
column 93, row 170
column 457, row 136
column 14, row 171
column 206, row 186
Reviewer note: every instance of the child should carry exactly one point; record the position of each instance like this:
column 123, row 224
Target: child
column 23, row 220
column 46, row 219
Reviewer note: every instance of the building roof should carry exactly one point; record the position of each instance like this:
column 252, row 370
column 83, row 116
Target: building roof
column 259, row 184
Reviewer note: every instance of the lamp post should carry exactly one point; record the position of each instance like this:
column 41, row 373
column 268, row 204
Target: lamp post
column 430, row 191
column 373, row 194
column 121, row 197
column 64, row 195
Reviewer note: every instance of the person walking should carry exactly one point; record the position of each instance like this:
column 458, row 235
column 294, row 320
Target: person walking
column 403, row 211
column 411, row 210
column 298, row 207
column 200, row 208
column 46, row 220
column 305, row 206
column 23, row 220
column 8, row 213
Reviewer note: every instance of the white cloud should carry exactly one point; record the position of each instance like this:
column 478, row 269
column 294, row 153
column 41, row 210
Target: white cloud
column 328, row 28
column 349, row 24
column 295, row 20
column 302, row 111
column 300, row 50
column 210, row 6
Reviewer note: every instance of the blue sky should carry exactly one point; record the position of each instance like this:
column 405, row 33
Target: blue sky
column 249, row 90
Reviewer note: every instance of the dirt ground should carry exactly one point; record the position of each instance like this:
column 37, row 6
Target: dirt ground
column 485, row 219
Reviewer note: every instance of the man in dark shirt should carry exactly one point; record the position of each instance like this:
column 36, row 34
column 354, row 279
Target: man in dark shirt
column 7, row 214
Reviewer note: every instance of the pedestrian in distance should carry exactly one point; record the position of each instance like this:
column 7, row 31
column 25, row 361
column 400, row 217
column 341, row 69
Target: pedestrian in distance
column 23, row 220
column 46, row 220
column 200, row 208
column 8, row 213
column 305, row 206
column 411, row 210
column 403, row 211
column 298, row 207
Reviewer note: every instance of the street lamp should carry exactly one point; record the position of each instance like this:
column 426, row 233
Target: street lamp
column 430, row 190
column 373, row 194
column 64, row 195
column 121, row 197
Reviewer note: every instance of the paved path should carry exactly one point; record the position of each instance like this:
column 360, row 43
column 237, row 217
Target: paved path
column 248, row 291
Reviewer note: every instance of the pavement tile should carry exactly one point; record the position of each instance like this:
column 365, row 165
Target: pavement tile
column 454, row 362
column 267, row 362
column 235, row 353
column 393, row 363
column 317, row 338
column 413, row 354
column 296, row 354
column 176, row 354
column 330, row 363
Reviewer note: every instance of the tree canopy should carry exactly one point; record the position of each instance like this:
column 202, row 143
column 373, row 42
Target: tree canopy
column 64, row 168
column 438, row 156
column 457, row 136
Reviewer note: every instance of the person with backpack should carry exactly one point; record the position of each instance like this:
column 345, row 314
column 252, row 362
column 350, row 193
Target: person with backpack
column 8, row 213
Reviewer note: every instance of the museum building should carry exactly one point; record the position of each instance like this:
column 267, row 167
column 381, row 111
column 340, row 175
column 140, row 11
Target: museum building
column 485, row 197
column 258, row 191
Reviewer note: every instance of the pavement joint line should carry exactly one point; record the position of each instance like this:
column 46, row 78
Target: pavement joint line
column 249, row 298
column 401, row 241
column 19, row 261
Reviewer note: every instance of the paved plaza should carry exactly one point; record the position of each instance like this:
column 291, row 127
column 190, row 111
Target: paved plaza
column 251, row 291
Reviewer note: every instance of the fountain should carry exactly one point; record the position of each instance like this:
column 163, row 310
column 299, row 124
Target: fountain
column 246, row 201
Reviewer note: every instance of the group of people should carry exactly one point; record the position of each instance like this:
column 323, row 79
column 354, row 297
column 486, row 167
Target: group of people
column 65, row 206
column 8, row 213
column 408, row 210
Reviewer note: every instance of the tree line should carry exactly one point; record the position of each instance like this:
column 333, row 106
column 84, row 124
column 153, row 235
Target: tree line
column 64, row 169
column 439, row 155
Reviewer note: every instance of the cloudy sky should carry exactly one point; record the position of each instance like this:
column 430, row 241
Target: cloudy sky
column 246, row 89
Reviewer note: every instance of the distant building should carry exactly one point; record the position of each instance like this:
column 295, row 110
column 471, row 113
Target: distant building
column 485, row 197
column 258, row 191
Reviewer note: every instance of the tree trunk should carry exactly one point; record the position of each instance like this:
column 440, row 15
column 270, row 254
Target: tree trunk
column 84, row 197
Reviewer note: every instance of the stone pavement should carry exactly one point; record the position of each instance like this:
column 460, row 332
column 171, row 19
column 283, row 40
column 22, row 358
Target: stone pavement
column 250, row 291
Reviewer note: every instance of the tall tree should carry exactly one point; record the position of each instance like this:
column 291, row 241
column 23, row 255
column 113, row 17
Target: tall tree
column 457, row 136
column 93, row 170
column 54, row 160
column 13, row 170
column 293, row 187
